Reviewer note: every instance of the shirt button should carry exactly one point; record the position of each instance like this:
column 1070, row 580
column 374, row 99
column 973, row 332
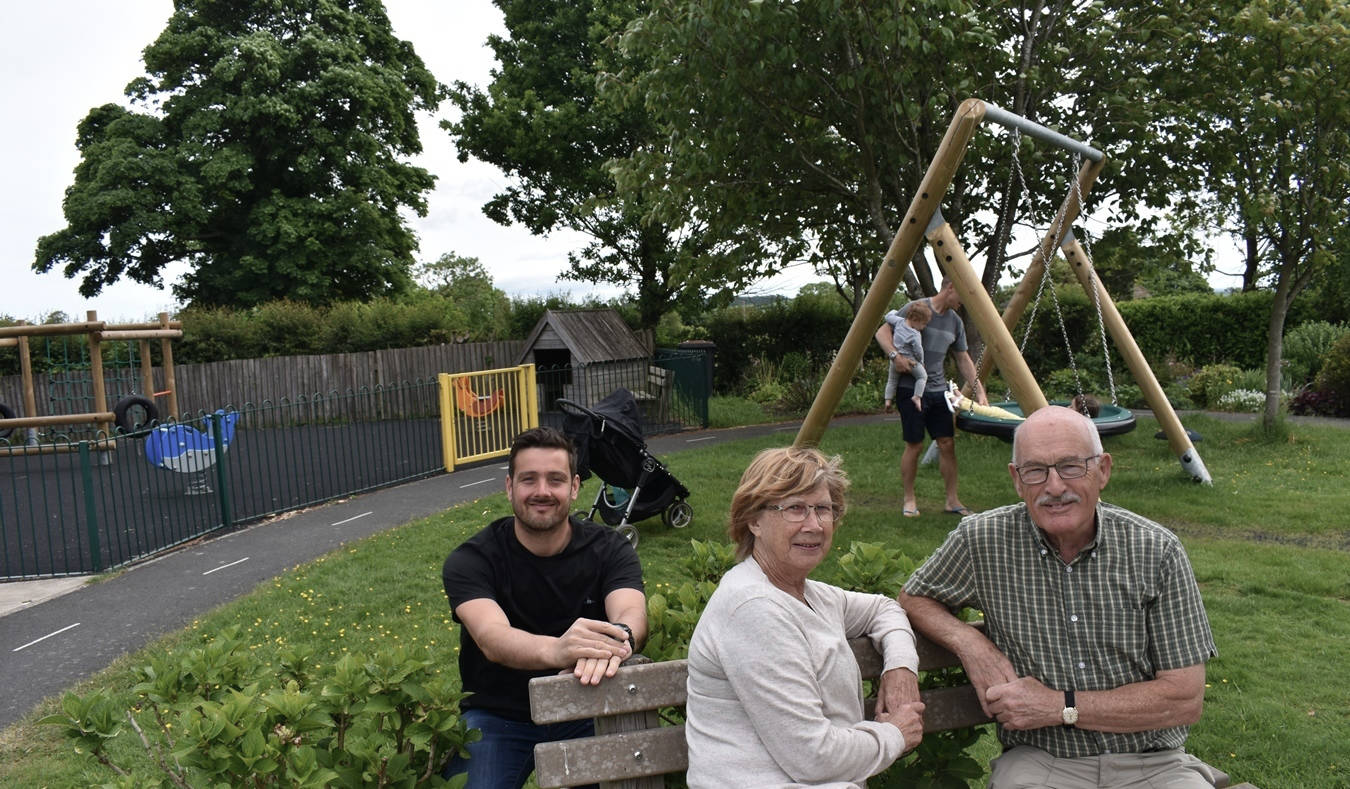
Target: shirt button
column 1081, row 664
column 1073, row 618
column 1068, row 569
column 1044, row 552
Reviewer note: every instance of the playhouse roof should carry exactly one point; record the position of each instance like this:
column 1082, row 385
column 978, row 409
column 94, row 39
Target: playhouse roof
column 589, row 335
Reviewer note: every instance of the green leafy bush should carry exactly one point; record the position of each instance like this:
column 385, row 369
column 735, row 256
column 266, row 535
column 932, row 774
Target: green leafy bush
column 216, row 716
column 1212, row 382
column 810, row 327
column 1305, row 346
column 869, row 567
column 1333, row 381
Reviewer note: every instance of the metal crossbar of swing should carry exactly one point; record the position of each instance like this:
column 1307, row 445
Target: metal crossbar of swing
column 1007, row 119
column 923, row 221
column 102, row 504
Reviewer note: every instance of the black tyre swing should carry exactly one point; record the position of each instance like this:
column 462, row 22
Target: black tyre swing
column 1111, row 421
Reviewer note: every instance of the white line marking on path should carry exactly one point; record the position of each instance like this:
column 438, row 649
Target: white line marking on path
column 471, row 484
column 352, row 518
column 704, row 438
column 223, row 566
column 783, row 429
column 44, row 638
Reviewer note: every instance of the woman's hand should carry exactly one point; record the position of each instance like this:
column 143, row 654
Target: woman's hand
column 898, row 686
column 909, row 720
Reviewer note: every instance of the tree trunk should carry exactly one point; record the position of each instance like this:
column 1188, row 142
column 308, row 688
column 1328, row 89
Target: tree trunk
column 1279, row 310
column 1253, row 268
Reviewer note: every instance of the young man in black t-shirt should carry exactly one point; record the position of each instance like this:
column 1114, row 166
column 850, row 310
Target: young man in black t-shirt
column 536, row 593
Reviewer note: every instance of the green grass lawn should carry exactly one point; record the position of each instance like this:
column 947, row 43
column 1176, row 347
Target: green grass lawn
column 1269, row 541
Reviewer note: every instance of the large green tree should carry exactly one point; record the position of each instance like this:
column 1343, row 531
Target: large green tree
column 1275, row 128
column 542, row 122
column 266, row 147
column 809, row 125
column 464, row 281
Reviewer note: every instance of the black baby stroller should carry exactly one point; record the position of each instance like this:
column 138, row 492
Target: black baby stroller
column 634, row 485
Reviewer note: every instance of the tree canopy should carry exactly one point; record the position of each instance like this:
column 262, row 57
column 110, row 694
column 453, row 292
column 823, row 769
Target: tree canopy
column 1275, row 129
column 544, row 124
column 809, row 125
column 266, row 147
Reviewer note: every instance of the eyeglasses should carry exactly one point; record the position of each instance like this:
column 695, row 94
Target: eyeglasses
column 1068, row 468
column 796, row 513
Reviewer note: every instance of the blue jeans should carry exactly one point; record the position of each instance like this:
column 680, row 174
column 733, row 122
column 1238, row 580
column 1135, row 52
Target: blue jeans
column 504, row 757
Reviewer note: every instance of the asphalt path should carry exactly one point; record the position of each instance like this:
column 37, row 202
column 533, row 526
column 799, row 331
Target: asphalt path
column 48, row 647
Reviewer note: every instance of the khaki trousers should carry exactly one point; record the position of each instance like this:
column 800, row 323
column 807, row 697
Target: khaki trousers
column 1025, row 767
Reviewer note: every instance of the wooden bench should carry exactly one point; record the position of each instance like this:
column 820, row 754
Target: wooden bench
column 631, row 748
column 656, row 399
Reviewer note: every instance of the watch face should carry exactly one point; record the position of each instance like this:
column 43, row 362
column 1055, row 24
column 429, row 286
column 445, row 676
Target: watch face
column 1070, row 715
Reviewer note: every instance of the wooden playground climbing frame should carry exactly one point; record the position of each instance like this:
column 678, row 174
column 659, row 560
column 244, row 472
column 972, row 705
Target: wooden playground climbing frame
column 96, row 332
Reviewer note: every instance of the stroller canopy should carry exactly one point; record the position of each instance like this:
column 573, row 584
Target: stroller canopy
column 608, row 438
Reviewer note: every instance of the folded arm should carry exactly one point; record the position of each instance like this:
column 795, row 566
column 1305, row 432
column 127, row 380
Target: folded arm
column 1172, row 698
column 985, row 665
column 586, row 639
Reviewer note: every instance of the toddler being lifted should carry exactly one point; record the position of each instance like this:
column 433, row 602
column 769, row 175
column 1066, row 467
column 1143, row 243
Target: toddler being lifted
column 908, row 342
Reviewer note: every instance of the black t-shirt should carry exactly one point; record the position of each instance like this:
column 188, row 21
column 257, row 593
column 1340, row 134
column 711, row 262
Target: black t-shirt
column 540, row 594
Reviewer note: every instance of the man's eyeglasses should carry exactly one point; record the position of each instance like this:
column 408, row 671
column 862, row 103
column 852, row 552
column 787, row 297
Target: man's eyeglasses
column 1068, row 468
column 796, row 513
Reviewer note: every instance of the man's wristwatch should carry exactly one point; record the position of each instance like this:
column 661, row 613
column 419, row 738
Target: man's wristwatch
column 892, row 354
column 1070, row 713
column 632, row 645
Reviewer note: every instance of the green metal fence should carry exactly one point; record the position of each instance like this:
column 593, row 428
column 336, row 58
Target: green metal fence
column 671, row 388
column 80, row 507
column 77, row 509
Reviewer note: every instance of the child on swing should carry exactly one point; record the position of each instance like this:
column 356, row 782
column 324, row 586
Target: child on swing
column 908, row 340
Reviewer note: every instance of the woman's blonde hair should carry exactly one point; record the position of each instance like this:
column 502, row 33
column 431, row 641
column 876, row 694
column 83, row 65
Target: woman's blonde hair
column 777, row 474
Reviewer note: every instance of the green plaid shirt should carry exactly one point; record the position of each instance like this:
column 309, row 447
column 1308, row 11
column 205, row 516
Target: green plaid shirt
column 1124, row 609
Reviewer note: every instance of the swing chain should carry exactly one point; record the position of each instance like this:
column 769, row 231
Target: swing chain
column 1092, row 283
column 1014, row 176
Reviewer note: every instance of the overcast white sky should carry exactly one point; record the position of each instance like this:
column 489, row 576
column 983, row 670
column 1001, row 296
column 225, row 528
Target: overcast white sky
column 64, row 57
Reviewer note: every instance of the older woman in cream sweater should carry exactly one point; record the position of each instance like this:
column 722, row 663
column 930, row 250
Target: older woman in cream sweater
column 775, row 694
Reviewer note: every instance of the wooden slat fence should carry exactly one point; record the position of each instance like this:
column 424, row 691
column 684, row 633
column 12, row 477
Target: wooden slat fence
column 206, row 387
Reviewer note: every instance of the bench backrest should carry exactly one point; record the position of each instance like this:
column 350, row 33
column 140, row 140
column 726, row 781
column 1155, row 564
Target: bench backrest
column 631, row 743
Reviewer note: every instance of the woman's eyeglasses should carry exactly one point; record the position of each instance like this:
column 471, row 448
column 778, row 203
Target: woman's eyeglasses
column 796, row 513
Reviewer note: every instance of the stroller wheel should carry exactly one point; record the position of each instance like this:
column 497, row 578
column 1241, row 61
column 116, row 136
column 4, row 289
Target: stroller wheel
column 629, row 532
column 678, row 515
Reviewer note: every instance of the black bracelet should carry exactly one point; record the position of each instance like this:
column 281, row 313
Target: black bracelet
column 632, row 644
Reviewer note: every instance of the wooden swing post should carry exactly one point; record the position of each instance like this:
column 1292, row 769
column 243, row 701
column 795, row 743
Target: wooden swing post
column 906, row 242
column 998, row 339
column 1177, row 438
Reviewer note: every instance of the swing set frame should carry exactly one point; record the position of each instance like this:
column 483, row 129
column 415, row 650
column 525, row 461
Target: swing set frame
column 924, row 221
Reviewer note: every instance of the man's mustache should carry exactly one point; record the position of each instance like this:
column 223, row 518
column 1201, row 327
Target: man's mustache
column 1063, row 498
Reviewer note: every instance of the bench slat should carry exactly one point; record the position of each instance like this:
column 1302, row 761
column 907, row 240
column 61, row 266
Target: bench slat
column 643, row 687
column 610, row 756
